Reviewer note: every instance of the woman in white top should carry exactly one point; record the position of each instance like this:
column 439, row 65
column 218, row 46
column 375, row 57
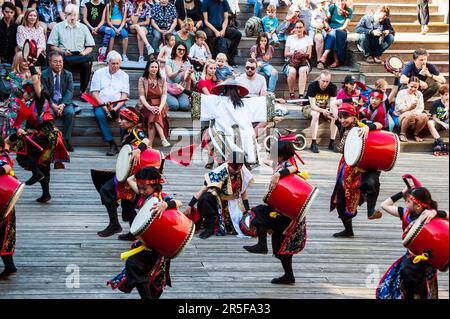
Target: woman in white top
column 409, row 107
column 298, row 44
column 30, row 29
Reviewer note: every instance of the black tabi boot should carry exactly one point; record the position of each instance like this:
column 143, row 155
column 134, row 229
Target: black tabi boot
column 10, row 268
column 128, row 236
column 45, row 185
column 209, row 228
column 37, row 175
column 261, row 246
column 348, row 231
column 144, row 291
column 114, row 225
column 288, row 277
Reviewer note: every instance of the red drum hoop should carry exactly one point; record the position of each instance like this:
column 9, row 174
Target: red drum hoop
column 292, row 197
column 379, row 151
column 168, row 234
column 124, row 164
column 29, row 49
column 393, row 64
column 432, row 239
column 10, row 190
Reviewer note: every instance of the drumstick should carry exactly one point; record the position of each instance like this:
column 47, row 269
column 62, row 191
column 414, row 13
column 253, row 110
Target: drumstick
column 33, row 143
column 408, row 185
column 298, row 156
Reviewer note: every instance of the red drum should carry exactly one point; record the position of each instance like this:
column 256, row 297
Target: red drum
column 393, row 64
column 292, row 197
column 378, row 152
column 10, row 190
column 125, row 167
column 168, row 235
column 29, row 50
column 431, row 239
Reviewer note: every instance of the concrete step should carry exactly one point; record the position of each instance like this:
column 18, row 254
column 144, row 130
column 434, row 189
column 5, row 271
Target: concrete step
column 366, row 67
column 406, row 55
column 409, row 27
column 372, row 77
column 408, row 41
column 398, row 17
column 393, row 7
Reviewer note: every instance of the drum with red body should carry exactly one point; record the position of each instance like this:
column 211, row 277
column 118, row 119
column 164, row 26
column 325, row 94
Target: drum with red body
column 431, row 239
column 10, row 190
column 292, row 197
column 378, row 152
column 124, row 164
column 168, row 234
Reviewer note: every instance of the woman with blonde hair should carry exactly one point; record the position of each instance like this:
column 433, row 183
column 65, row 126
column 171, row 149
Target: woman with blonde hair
column 32, row 30
column 208, row 79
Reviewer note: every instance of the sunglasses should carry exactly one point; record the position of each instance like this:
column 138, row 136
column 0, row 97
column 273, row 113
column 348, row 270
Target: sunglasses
column 181, row 49
column 236, row 166
column 250, row 68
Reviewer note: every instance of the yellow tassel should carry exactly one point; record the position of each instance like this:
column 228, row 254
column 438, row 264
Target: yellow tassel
column 304, row 175
column 129, row 253
column 419, row 258
column 273, row 214
column 12, row 173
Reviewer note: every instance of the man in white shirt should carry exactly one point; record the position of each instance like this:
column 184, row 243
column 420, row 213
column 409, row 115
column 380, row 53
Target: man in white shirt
column 254, row 82
column 107, row 85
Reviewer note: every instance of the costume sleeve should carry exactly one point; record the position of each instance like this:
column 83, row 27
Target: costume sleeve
column 260, row 109
column 216, row 179
column 401, row 212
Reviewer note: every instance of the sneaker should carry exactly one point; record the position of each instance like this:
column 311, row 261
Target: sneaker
column 377, row 214
column 359, row 47
column 101, row 58
column 149, row 49
column 141, row 59
column 101, row 54
column 370, row 59
column 125, row 58
column 113, row 150
column 165, row 143
column 377, row 60
column 314, row 147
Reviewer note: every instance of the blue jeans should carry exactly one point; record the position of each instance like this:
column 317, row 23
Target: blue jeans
column 156, row 39
column 68, row 120
column 371, row 45
column 123, row 32
column 107, row 34
column 257, row 8
column 179, row 102
column 272, row 73
column 102, row 121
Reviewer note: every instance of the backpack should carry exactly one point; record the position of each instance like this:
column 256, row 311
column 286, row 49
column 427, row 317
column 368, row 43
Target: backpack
column 253, row 26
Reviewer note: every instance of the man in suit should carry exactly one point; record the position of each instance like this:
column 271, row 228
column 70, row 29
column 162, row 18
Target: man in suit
column 59, row 84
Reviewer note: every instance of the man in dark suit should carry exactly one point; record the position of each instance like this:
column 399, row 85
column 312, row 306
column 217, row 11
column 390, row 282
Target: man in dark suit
column 59, row 84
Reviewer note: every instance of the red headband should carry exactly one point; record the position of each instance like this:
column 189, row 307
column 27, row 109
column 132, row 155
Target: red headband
column 129, row 115
column 347, row 108
column 150, row 181
column 376, row 94
column 418, row 202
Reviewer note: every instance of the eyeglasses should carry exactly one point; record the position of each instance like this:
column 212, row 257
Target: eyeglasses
column 250, row 68
column 181, row 49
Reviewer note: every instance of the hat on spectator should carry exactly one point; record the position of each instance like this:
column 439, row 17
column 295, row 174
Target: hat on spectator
column 352, row 79
column 242, row 90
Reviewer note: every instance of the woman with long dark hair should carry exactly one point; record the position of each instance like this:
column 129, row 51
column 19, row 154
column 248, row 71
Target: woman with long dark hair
column 262, row 52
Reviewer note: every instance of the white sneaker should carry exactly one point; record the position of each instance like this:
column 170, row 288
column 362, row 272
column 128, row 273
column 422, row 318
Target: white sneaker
column 124, row 58
column 141, row 59
column 165, row 143
column 149, row 49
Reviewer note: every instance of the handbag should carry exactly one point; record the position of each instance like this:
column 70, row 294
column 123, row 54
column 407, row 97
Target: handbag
column 298, row 60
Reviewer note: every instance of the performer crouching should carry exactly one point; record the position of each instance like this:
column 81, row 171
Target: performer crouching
column 112, row 191
column 354, row 185
column 147, row 270
column 409, row 277
column 288, row 236
column 219, row 198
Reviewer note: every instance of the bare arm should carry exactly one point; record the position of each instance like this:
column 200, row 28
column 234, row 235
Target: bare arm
column 389, row 207
column 207, row 23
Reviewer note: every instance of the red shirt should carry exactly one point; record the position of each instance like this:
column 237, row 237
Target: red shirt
column 209, row 84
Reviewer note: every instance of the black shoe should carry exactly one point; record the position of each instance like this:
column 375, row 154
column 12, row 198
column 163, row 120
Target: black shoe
column 8, row 271
column 36, row 177
column 333, row 147
column 284, row 280
column 256, row 249
column 110, row 230
column 128, row 236
column 208, row 232
column 113, row 150
column 59, row 165
column 68, row 146
column 44, row 199
column 314, row 147
column 344, row 233
column 76, row 109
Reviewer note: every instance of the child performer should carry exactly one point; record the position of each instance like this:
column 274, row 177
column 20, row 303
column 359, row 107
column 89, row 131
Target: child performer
column 111, row 191
column 353, row 186
column 147, row 270
column 288, row 236
column 409, row 277
column 8, row 223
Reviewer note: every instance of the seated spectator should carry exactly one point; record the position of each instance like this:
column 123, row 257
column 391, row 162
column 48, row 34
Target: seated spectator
column 298, row 51
column 59, row 84
column 429, row 76
column 257, row 7
column 139, row 23
column 319, row 26
column 190, row 9
column 76, row 49
column 22, row 6
column 286, row 28
column 179, row 75
column 48, row 14
column 94, row 17
column 107, row 85
column 375, row 110
column 340, row 15
column 215, row 16
column 116, row 18
column 8, row 33
column 166, row 52
column 409, row 107
column 164, row 20
column 30, row 29
column 439, row 114
column 254, row 82
column 322, row 99
column 223, row 70
column 185, row 34
column 375, row 34
column 350, row 91
column 152, row 103
column 270, row 25
column 306, row 10
column 199, row 52
column 262, row 52
column 389, row 100
column 208, row 79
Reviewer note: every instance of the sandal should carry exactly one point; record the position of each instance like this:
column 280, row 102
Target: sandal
column 403, row 138
column 334, row 65
column 418, row 139
column 320, row 65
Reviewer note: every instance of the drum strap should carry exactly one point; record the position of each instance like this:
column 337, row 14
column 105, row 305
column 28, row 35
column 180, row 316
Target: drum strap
column 138, row 140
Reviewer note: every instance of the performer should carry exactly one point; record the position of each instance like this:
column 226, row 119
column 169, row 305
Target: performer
column 408, row 278
column 232, row 118
column 219, row 198
column 353, row 185
column 147, row 270
column 376, row 111
column 8, row 224
column 110, row 189
column 288, row 236
column 35, row 111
